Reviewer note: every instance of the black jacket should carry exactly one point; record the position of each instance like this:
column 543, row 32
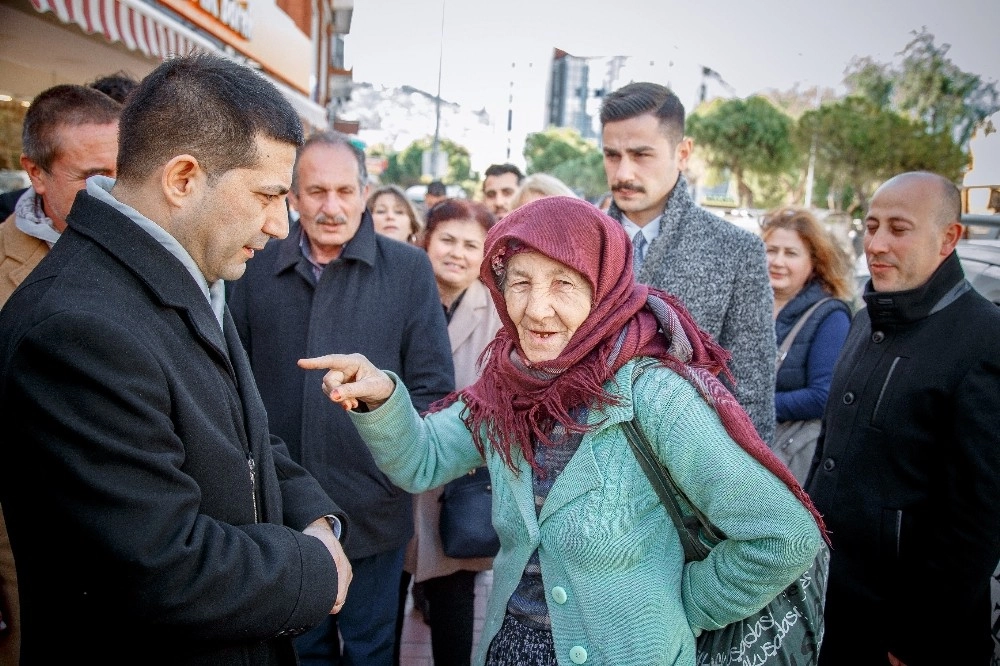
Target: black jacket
column 907, row 475
column 130, row 422
column 800, row 393
column 379, row 298
column 8, row 201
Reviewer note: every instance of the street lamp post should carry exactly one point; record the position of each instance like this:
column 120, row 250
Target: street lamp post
column 510, row 108
column 436, row 147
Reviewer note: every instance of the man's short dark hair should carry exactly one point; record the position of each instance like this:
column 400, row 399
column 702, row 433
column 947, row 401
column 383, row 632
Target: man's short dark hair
column 332, row 139
column 637, row 99
column 436, row 188
column 206, row 106
column 117, row 86
column 62, row 106
column 501, row 169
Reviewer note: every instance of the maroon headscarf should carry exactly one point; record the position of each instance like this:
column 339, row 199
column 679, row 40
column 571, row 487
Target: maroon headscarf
column 516, row 402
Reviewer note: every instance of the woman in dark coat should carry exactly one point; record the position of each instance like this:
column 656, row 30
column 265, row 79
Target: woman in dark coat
column 805, row 266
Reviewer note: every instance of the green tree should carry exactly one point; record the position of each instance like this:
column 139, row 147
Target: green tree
column 872, row 80
column 563, row 153
column 795, row 101
column 748, row 138
column 405, row 168
column 859, row 145
column 927, row 86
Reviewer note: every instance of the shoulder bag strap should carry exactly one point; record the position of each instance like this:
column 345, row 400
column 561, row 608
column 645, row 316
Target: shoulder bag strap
column 787, row 343
column 668, row 492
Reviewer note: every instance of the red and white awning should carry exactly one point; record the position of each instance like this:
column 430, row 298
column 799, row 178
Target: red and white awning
column 143, row 28
column 136, row 25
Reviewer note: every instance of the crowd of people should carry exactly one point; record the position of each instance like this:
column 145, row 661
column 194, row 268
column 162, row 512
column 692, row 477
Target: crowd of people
column 235, row 374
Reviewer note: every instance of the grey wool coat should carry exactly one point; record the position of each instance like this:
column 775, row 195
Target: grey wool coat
column 719, row 271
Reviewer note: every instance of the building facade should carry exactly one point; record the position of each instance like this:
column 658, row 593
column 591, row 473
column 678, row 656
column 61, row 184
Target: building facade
column 576, row 87
column 296, row 44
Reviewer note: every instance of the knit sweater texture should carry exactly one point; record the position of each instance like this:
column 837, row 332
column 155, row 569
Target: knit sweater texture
column 602, row 535
column 719, row 271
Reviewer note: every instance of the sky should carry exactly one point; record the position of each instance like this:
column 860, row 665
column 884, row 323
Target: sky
column 496, row 55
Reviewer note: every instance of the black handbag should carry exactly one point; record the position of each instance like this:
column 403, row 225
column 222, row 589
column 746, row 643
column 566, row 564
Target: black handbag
column 466, row 524
column 788, row 631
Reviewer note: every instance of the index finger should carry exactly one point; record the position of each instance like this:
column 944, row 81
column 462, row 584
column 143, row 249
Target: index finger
column 328, row 362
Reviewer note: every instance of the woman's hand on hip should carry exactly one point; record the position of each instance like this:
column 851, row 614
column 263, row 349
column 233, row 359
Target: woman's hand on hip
column 351, row 379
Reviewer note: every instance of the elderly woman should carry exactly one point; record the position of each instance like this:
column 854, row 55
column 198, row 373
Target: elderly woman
column 807, row 269
column 591, row 568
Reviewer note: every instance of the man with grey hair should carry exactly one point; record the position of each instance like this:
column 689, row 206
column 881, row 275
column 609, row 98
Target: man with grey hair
column 335, row 286
column 717, row 269
column 69, row 134
column 907, row 469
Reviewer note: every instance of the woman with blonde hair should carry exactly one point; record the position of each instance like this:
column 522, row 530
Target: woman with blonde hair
column 393, row 214
column 539, row 185
column 809, row 274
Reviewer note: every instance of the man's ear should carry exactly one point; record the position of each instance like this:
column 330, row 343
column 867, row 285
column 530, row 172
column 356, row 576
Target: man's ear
column 182, row 180
column 952, row 234
column 293, row 201
column 684, row 148
column 34, row 174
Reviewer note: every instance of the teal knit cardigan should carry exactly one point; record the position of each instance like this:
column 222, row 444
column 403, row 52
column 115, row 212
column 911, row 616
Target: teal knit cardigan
column 617, row 587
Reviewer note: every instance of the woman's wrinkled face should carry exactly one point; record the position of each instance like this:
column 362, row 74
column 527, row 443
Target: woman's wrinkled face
column 547, row 301
column 789, row 264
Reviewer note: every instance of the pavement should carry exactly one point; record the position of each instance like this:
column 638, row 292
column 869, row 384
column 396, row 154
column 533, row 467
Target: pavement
column 416, row 639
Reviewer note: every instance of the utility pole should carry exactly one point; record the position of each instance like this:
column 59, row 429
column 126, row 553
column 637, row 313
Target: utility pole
column 811, row 171
column 510, row 108
column 436, row 147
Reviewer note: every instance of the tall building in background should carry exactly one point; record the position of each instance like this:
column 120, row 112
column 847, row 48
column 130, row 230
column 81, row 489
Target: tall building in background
column 296, row 44
column 576, row 87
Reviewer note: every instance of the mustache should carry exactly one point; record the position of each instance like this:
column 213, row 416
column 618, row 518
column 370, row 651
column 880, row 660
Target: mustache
column 634, row 187
column 323, row 218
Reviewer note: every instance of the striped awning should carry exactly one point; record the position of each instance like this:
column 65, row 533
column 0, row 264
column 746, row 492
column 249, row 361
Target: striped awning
column 131, row 22
column 142, row 28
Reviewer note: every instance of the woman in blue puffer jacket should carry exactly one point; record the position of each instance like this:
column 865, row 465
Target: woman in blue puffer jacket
column 807, row 268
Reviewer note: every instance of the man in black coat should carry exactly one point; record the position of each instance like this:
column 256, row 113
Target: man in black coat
column 907, row 471
column 152, row 516
column 335, row 286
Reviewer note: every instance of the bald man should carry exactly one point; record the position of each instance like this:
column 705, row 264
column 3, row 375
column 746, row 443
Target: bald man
column 907, row 471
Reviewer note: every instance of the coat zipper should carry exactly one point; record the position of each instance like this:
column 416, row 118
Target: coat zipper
column 885, row 385
column 899, row 529
column 253, row 485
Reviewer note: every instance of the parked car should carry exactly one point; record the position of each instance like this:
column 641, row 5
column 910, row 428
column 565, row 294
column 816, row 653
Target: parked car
column 981, row 227
column 415, row 193
column 981, row 263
